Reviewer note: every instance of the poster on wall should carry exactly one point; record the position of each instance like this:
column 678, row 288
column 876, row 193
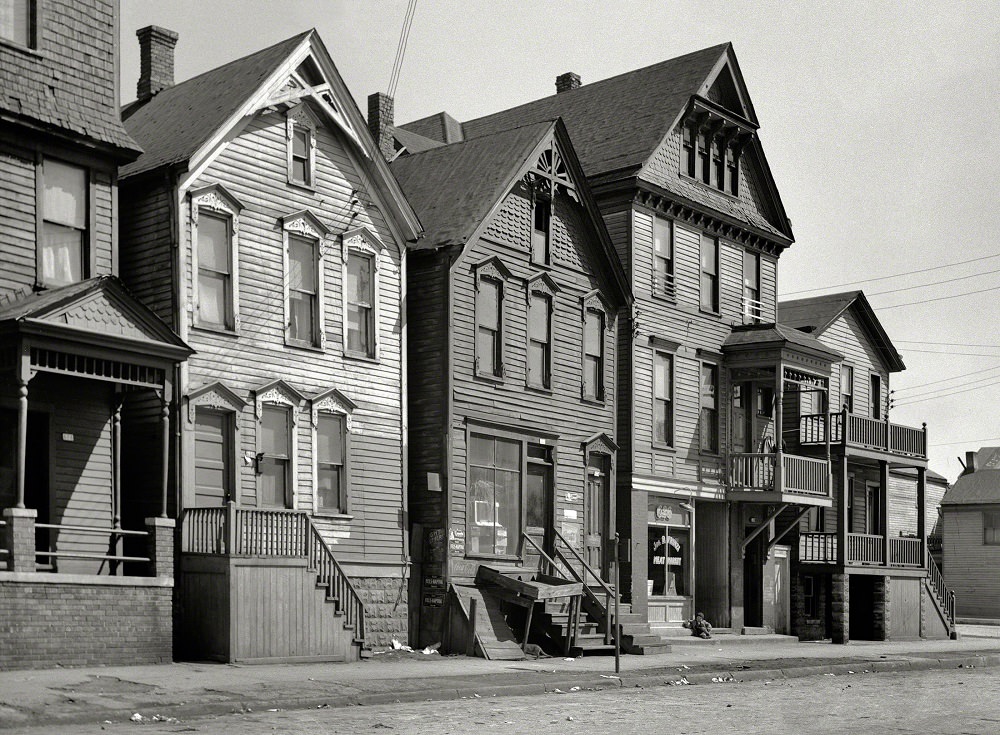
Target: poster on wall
column 456, row 542
column 571, row 532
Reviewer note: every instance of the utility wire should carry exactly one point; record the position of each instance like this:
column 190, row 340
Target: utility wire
column 947, row 391
column 951, row 353
column 941, row 344
column 932, row 283
column 940, row 298
column 965, row 441
column 404, row 37
column 945, row 380
column 894, row 275
column 913, row 400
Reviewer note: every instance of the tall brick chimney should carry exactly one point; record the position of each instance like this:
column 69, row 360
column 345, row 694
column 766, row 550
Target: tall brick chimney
column 567, row 82
column 156, row 60
column 381, row 109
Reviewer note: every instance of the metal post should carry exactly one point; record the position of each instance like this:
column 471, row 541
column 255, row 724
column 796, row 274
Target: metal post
column 618, row 662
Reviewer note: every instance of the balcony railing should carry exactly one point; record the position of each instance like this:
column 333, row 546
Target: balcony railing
column 664, row 284
column 863, row 549
column 864, row 432
column 753, row 311
column 756, row 471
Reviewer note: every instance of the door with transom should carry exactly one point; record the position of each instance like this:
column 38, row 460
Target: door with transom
column 596, row 531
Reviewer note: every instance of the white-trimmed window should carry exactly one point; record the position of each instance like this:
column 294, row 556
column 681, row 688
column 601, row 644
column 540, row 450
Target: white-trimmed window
column 64, row 244
column 709, row 407
column 277, row 410
column 663, row 258
column 594, row 324
column 304, row 236
column 753, row 307
column 709, row 273
column 18, row 21
column 331, row 420
column 361, row 256
column 663, row 398
column 301, row 133
column 215, row 257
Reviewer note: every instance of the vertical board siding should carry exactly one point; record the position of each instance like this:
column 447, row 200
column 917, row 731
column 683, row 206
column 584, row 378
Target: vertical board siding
column 970, row 566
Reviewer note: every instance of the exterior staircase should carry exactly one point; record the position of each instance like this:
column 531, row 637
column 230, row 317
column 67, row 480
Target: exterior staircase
column 941, row 596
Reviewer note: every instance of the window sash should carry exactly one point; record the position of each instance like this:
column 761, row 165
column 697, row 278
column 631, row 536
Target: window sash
column 17, row 22
column 709, row 408
column 495, row 492
column 62, row 256
column 593, row 348
column 539, row 339
column 540, row 228
column 303, row 289
column 847, row 388
column 301, row 155
column 489, row 344
column 63, row 240
column 215, row 286
column 663, row 257
column 360, row 303
column 709, row 273
column 663, row 419
column 991, row 528
column 330, row 459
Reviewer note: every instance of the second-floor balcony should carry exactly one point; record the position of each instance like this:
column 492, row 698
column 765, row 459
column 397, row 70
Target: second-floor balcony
column 863, row 549
column 779, row 477
column 863, row 432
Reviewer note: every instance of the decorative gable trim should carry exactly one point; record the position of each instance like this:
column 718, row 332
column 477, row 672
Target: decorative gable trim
column 542, row 283
column 217, row 197
column 595, row 300
column 280, row 393
column 600, row 443
column 332, row 401
column 306, row 223
column 215, row 395
column 491, row 268
column 363, row 238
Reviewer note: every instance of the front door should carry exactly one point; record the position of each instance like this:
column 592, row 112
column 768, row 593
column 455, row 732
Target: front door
column 212, row 459
column 872, row 510
column 740, row 416
column 595, row 530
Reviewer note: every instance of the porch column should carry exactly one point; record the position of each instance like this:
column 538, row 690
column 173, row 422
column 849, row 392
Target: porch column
column 165, row 424
column 116, row 480
column 20, row 538
column 883, row 508
column 22, row 437
column 843, row 511
column 779, row 401
column 922, row 513
column 161, row 546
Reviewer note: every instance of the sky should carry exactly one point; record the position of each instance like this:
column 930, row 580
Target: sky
column 879, row 121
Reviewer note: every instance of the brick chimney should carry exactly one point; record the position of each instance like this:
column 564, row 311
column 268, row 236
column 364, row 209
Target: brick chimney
column 381, row 108
column 156, row 60
column 970, row 463
column 567, row 82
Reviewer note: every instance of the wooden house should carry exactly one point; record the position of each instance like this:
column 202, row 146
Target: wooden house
column 515, row 298
column 970, row 537
column 860, row 569
column 86, row 370
column 262, row 224
column 688, row 198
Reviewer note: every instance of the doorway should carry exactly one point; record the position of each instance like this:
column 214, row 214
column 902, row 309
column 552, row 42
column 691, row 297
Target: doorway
column 873, row 508
column 595, row 515
column 753, row 581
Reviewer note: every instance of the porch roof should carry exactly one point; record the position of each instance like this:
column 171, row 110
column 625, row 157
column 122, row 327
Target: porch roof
column 760, row 336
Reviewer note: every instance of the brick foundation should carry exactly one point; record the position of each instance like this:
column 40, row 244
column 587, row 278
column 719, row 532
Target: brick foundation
column 48, row 624
column 386, row 609
column 881, row 625
column 840, row 608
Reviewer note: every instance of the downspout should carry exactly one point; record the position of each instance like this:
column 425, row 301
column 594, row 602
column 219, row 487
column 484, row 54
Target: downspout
column 404, row 413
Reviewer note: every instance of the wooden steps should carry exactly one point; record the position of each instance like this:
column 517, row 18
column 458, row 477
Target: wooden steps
column 494, row 638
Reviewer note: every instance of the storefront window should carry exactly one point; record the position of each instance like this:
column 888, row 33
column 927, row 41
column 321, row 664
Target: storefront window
column 669, row 549
column 494, row 497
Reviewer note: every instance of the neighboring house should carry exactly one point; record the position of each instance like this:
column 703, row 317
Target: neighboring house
column 672, row 155
column 261, row 222
column 515, row 294
column 970, row 536
column 861, row 567
column 86, row 543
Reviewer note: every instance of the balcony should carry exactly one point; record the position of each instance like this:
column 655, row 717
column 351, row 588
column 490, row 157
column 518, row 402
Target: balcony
column 779, row 477
column 864, row 433
column 863, row 550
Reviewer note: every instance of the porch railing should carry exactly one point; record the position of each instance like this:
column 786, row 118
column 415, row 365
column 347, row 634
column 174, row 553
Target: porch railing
column 945, row 594
column 112, row 557
column 330, row 573
column 864, row 432
column 818, row 548
column 799, row 475
column 905, row 552
column 865, row 548
column 862, row 548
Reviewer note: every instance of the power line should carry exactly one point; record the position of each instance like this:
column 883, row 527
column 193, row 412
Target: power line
column 945, row 380
column 944, row 392
column 965, row 441
column 940, row 298
column 894, row 275
column 915, row 399
column 932, row 283
column 941, row 344
column 951, row 353
column 404, row 37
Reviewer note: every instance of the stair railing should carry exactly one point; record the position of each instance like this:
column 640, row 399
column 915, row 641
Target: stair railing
column 553, row 568
column 573, row 623
column 330, row 573
column 945, row 594
column 611, row 624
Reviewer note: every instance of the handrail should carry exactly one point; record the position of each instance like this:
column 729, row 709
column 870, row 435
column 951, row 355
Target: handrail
column 553, row 567
column 91, row 529
column 329, row 572
column 584, row 564
column 944, row 593
column 611, row 623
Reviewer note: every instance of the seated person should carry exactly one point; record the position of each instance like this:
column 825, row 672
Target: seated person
column 699, row 626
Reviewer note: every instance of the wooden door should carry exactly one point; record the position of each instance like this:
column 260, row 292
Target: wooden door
column 740, row 416
column 595, row 522
column 212, row 459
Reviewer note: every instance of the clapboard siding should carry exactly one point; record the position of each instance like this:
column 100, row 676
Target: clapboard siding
column 146, row 253
column 846, row 336
column 969, row 565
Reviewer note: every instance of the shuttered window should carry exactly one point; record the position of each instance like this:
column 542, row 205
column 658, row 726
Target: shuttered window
column 540, row 340
column 63, row 252
column 593, row 354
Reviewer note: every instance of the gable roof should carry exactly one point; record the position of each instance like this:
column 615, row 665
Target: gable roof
column 815, row 315
column 755, row 335
column 177, row 121
column 981, row 486
column 454, row 187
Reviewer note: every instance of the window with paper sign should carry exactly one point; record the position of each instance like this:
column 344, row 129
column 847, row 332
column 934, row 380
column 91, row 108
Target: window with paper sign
column 668, row 561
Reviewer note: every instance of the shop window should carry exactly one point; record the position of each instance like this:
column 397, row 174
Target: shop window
column 669, row 557
column 64, row 245
column 991, row 528
column 709, row 407
column 494, row 507
column 663, row 398
column 709, row 273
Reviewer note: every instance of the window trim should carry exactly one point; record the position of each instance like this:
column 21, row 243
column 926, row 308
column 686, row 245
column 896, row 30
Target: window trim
column 541, row 285
column 215, row 198
column 749, row 304
column 492, row 269
column 994, row 527
column 305, row 225
column 33, row 11
column 363, row 241
column 299, row 116
column 88, row 257
column 717, row 287
column 846, row 366
column 333, row 402
column 670, row 400
column 279, row 394
column 666, row 290
column 701, row 407
column 592, row 302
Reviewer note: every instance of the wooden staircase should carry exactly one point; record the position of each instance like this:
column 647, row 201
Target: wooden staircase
column 942, row 597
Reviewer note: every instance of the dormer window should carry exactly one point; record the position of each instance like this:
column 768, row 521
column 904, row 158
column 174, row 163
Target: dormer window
column 712, row 142
column 540, row 227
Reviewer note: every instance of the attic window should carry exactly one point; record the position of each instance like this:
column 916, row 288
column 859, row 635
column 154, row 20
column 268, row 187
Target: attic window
column 712, row 143
column 310, row 73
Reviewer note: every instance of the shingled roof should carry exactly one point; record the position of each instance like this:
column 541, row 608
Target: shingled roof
column 815, row 315
column 615, row 123
column 175, row 123
column 981, row 486
column 453, row 187
column 755, row 335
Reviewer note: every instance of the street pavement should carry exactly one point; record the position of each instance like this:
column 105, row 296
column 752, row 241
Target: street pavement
column 87, row 697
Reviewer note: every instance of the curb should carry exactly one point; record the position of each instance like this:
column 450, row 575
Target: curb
column 554, row 686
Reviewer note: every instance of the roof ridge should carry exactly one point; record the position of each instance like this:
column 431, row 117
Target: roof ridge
column 458, row 143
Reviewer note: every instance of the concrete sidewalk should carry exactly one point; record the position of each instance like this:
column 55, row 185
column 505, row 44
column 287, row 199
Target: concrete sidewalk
column 189, row 690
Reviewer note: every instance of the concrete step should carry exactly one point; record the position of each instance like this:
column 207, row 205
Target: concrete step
column 729, row 639
column 648, row 649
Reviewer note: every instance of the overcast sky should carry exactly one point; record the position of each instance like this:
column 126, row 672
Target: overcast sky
column 879, row 121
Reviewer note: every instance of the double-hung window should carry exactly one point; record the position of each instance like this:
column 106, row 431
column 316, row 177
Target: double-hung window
column 64, row 251
column 301, row 147
column 303, row 290
column 274, row 458
column 704, row 158
column 752, row 305
column 663, row 258
column 331, row 480
column 663, row 398
column 991, row 528
column 215, row 270
column 709, row 273
column 494, row 510
column 360, row 300
column 541, row 221
column 593, row 354
column 489, row 327
column 709, row 407
column 875, row 396
column 540, row 340
column 17, row 22
column 847, row 388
